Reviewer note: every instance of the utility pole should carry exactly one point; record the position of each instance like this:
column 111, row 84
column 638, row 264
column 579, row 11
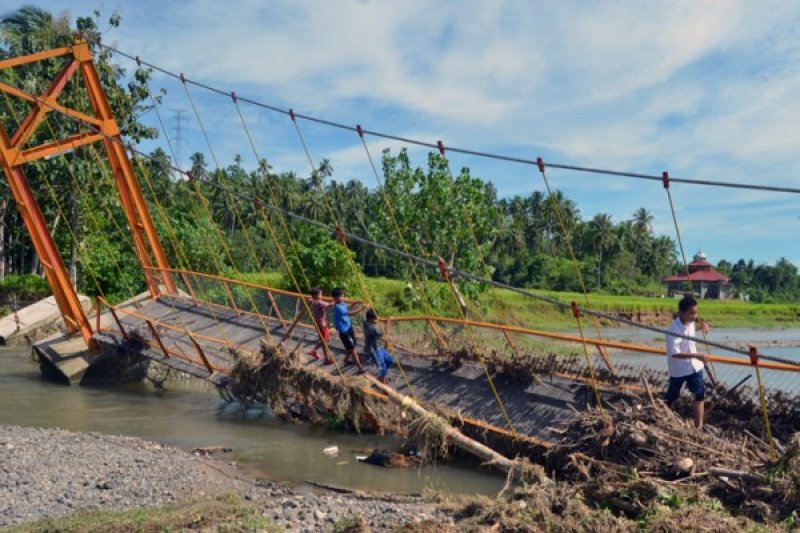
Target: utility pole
column 178, row 120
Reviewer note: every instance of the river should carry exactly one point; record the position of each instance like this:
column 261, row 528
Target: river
column 190, row 414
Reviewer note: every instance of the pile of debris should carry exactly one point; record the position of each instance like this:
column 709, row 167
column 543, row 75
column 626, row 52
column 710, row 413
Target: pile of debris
column 630, row 452
column 635, row 464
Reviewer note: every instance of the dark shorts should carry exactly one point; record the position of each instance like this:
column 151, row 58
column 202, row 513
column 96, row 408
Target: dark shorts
column 695, row 383
column 348, row 339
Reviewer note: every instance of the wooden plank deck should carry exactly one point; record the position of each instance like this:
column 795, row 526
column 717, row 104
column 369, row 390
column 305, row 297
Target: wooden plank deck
column 532, row 409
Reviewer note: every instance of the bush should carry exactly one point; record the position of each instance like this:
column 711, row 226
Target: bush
column 324, row 262
column 25, row 287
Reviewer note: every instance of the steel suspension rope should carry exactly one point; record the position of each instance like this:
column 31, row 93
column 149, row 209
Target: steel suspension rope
column 174, row 239
column 343, row 241
column 461, row 310
column 328, row 354
column 763, row 400
column 576, row 312
column 481, row 259
column 397, row 230
column 465, row 151
column 665, row 181
column 567, row 240
column 753, row 356
column 221, row 173
column 273, row 196
column 428, row 262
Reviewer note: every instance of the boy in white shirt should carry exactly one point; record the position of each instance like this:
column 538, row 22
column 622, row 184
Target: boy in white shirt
column 684, row 363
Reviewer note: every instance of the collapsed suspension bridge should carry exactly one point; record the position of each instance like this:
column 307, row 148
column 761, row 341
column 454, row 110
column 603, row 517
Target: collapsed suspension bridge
column 206, row 324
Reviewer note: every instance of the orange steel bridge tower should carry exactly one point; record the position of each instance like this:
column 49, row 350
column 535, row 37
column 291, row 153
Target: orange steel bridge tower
column 15, row 153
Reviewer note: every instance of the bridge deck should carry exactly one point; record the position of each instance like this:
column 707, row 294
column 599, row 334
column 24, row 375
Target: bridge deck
column 532, row 409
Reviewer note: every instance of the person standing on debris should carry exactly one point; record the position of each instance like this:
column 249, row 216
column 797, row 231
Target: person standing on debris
column 372, row 345
column 684, row 363
column 343, row 324
column 319, row 308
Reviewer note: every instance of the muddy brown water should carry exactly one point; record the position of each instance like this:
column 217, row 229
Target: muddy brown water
column 190, row 414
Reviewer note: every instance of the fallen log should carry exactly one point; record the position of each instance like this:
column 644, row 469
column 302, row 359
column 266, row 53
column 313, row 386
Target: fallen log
column 451, row 435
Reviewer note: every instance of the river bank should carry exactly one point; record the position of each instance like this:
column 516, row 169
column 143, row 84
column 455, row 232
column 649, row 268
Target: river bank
column 52, row 473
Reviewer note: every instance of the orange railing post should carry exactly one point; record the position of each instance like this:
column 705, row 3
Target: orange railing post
column 157, row 337
column 275, row 306
column 230, row 298
column 511, row 343
column 98, row 306
column 189, row 287
column 438, row 334
column 119, row 324
column 201, row 352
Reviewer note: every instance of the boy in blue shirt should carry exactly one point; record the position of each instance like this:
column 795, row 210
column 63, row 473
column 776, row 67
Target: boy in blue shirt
column 343, row 324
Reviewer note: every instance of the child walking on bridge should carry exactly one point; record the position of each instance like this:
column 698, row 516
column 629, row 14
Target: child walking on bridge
column 319, row 308
column 343, row 324
column 372, row 345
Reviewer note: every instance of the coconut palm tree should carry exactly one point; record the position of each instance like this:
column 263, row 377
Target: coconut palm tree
column 642, row 227
column 603, row 238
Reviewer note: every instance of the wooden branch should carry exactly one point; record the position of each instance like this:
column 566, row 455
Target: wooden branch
column 735, row 474
column 451, row 434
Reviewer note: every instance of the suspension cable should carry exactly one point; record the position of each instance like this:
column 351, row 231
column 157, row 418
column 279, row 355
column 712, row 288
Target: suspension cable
column 666, row 180
column 567, row 240
column 328, row 354
column 343, row 241
column 221, row 173
column 577, row 314
column 465, row 151
column 390, row 209
column 461, row 309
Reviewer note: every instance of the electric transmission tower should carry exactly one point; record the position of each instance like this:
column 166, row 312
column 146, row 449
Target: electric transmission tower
column 177, row 121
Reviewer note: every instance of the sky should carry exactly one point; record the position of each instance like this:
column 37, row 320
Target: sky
column 702, row 89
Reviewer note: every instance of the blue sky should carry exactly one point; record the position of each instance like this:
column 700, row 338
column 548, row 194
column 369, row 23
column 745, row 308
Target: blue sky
column 703, row 89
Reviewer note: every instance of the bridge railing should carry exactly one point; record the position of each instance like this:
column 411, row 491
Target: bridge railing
column 435, row 336
column 629, row 361
column 158, row 334
column 262, row 302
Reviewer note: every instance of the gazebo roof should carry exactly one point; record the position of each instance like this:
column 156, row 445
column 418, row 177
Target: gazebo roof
column 701, row 275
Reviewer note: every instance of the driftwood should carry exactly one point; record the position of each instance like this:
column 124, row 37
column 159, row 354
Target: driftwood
column 451, row 435
column 735, row 474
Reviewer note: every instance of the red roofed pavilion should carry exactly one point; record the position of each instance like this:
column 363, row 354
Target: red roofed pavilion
column 706, row 282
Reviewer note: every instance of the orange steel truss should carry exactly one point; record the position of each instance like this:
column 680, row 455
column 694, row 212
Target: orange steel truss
column 14, row 153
